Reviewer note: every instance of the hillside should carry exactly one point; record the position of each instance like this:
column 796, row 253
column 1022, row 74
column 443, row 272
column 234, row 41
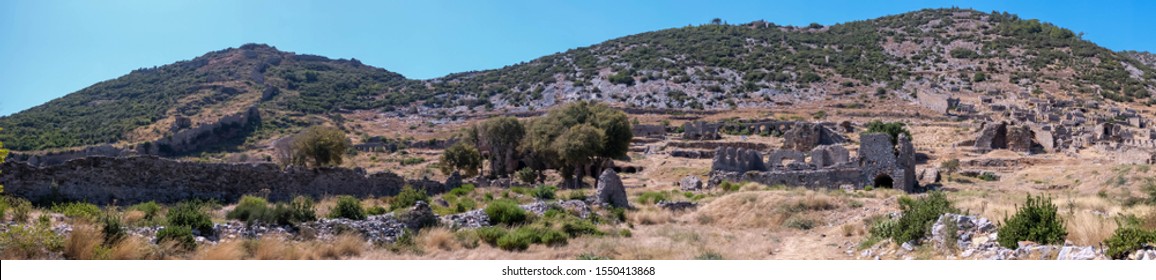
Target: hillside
column 713, row 66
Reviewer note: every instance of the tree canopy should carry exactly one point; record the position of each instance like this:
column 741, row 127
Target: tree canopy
column 320, row 146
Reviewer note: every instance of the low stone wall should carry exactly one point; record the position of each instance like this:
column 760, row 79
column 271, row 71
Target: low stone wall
column 123, row 181
column 830, row 178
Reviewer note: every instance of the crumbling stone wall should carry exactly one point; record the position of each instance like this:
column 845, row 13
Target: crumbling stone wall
column 140, row 179
column 204, row 136
column 830, row 167
column 806, row 136
column 737, row 160
column 649, row 130
column 700, row 131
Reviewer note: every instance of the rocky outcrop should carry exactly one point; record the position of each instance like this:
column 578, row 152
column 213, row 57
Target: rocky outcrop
column 610, row 190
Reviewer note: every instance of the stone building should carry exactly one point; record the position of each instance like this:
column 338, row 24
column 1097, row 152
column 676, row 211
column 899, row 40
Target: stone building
column 878, row 163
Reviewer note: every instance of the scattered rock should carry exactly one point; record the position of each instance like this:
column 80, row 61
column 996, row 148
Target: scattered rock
column 1077, row 253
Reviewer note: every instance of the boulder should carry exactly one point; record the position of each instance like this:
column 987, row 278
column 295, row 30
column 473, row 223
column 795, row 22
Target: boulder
column 454, row 181
column 677, row 205
column 1077, row 253
column 929, row 176
column 418, row 217
column 690, row 183
column 610, row 190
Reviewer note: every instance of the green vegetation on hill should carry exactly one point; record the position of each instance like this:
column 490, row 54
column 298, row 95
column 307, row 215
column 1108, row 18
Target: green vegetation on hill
column 729, row 61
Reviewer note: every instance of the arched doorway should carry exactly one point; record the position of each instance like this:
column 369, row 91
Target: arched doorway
column 883, row 181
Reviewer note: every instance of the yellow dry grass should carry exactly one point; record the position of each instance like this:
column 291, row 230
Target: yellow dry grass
column 83, row 242
column 131, row 248
column 226, row 250
column 438, row 238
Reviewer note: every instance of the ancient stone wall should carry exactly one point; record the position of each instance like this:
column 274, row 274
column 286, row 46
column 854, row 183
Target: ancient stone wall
column 140, row 179
column 831, row 178
column 737, row 160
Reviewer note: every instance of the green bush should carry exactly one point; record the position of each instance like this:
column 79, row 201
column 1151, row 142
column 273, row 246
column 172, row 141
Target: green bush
column 181, row 235
column 347, row 207
column 1035, row 221
column 517, row 240
column 490, row 235
column 79, row 210
column 577, row 195
column 893, row 129
column 650, row 197
column 375, row 210
column 1128, row 239
column 151, row 209
column 577, row 227
column 527, row 175
column 619, row 214
column 463, row 190
column 249, row 209
column 36, row 241
column 21, row 208
column 192, row 216
column 256, row 210
column 505, row 212
column 112, row 227
column 545, row 192
column 919, row 215
column 729, row 186
column 408, row 197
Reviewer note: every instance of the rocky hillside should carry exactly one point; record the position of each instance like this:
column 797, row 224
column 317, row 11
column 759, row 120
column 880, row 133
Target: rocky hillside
column 711, row 66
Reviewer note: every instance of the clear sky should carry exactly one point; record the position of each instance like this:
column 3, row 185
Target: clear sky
column 49, row 48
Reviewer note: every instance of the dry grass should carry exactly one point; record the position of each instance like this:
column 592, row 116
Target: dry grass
column 132, row 217
column 226, row 250
column 344, row 246
column 650, row 215
column 83, row 243
column 277, row 248
column 1087, row 229
column 131, row 248
column 438, row 238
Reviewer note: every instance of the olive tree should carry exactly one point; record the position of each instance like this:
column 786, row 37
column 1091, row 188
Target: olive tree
column 499, row 138
column 463, row 157
column 320, row 146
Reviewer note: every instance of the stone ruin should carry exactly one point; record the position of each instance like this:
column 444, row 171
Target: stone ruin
column 879, row 163
column 1003, row 136
column 806, row 136
column 700, row 131
column 649, row 130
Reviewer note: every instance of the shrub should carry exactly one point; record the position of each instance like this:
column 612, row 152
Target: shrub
column 988, row 176
column 151, row 209
column 302, row 209
column 1035, row 221
column 79, row 210
column 505, row 212
column 527, row 175
column 919, row 215
column 963, row 53
column 36, row 241
column 191, row 216
column 249, row 209
column 21, row 208
column 591, row 257
column 577, row 195
column 348, row 207
column 375, row 210
column 517, row 240
column 112, row 227
column 650, row 197
column 729, row 186
column 463, row 190
column 578, row 227
column 461, row 156
column 408, row 197
column 1128, row 239
column 181, row 235
column 490, row 235
column 319, row 146
column 545, row 192
column 893, row 129
column 619, row 214
column 800, row 223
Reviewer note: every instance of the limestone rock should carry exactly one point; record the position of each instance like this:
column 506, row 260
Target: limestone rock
column 677, row 205
column 929, row 175
column 418, row 216
column 690, row 183
column 1077, row 253
column 610, row 190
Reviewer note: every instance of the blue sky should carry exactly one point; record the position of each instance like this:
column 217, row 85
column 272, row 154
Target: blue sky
column 50, row 48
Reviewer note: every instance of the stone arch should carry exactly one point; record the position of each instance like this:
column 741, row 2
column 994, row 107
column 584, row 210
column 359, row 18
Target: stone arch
column 883, row 180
